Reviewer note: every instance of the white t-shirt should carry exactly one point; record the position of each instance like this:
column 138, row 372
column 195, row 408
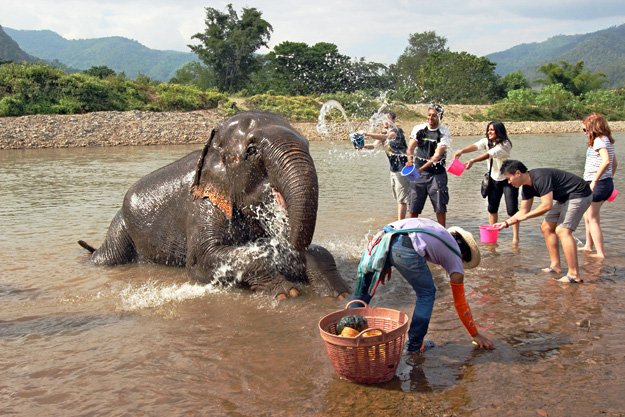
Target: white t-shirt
column 498, row 154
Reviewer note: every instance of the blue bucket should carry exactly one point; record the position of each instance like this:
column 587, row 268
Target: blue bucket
column 411, row 172
column 357, row 140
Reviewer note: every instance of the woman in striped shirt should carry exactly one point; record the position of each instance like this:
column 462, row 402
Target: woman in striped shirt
column 600, row 167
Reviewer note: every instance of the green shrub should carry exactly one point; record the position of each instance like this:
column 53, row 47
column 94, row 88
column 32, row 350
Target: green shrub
column 40, row 89
column 11, row 106
column 610, row 103
column 294, row 108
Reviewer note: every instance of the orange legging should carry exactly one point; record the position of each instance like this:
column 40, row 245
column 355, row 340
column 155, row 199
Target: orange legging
column 463, row 309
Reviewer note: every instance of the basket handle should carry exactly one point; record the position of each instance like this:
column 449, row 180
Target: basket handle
column 361, row 334
column 355, row 301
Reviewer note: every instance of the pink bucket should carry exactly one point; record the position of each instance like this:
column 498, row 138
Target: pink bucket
column 488, row 234
column 613, row 195
column 456, row 167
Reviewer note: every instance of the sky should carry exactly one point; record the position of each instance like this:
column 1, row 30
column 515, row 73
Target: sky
column 376, row 30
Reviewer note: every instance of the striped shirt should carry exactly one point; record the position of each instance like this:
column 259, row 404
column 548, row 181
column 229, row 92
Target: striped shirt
column 593, row 159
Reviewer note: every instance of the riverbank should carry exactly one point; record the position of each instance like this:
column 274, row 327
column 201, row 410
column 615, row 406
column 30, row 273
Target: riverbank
column 140, row 128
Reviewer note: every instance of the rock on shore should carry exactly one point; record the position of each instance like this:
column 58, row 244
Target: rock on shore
column 151, row 128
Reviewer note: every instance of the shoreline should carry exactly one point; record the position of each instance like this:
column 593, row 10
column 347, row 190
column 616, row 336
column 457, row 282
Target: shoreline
column 142, row 128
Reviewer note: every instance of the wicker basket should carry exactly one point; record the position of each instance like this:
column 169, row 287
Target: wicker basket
column 363, row 359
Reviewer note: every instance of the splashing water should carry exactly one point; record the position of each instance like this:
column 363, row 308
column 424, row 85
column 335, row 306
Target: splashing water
column 153, row 294
column 274, row 248
column 325, row 112
column 378, row 118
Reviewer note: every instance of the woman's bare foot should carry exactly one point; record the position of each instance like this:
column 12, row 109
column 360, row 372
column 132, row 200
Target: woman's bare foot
column 552, row 270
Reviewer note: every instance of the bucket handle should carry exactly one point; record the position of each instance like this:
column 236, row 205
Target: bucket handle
column 355, row 301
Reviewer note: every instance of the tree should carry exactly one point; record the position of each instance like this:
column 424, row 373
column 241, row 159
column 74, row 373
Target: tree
column 100, row 72
column 294, row 68
column 228, row 44
column 572, row 77
column 193, row 73
column 458, row 77
column 420, row 45
column 513, row 81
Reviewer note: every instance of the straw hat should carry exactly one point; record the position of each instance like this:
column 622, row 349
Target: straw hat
column 468, row 238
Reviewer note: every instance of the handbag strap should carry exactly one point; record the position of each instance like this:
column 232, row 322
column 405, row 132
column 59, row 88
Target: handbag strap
column 490, row 158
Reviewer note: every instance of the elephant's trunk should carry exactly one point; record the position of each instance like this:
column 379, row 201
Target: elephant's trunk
column 292, row 172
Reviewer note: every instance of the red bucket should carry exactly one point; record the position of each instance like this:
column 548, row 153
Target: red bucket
column 456, row 167
column 488, row 234
column 613, row 195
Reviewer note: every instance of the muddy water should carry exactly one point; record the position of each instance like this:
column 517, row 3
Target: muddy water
column 76, row 339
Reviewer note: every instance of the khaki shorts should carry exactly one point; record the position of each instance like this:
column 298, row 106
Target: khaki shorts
column 569, row 213
column 400, row 186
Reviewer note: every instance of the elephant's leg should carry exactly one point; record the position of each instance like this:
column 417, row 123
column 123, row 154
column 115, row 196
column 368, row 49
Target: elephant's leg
column 236, row 266
column 220, row 251
column 118, row 247
column 323, row 273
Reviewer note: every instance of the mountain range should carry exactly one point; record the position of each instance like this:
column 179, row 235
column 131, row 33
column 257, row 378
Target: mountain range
column 119, row 54
column 601, row 51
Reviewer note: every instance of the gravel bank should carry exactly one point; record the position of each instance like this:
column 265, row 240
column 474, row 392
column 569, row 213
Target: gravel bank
column 135, row 128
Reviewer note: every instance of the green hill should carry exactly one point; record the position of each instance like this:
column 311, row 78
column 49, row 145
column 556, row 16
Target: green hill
column 602, row 51
column 11, row 51
column 119, row 54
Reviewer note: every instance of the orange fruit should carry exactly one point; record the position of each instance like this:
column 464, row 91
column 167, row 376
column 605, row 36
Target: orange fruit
column 349, row 332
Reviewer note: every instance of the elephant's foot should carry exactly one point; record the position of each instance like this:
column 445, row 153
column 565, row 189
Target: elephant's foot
column 341, row 296
column 293, row 293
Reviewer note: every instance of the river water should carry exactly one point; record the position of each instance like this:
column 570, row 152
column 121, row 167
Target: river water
column 76, row 339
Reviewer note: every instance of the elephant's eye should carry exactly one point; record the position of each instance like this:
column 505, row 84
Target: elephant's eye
column 251, row 150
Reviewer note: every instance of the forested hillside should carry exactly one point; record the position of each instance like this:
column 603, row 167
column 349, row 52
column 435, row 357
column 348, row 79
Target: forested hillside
column 120, row 54
column 602, row 51
column 10, row 50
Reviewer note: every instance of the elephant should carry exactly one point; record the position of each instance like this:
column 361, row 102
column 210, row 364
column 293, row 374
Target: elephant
column 241, row 212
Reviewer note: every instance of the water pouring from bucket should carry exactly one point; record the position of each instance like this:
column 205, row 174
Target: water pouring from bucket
column 411, row 172
column 327, row 114
column 358, row 140
column 456, row 167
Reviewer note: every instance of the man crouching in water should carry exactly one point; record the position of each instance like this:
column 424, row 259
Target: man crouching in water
column 408, row 245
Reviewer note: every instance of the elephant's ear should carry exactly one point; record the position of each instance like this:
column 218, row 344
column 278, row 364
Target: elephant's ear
column 202, row 188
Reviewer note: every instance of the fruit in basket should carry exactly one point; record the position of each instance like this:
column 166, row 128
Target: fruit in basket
column 356, row 322
column 349, row 332
column 372, row 333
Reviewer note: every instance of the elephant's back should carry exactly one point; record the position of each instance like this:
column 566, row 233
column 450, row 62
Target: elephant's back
column 155, row 210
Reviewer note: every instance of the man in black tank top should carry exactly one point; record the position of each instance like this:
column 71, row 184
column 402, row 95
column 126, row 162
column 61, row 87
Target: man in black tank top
column 427, row 151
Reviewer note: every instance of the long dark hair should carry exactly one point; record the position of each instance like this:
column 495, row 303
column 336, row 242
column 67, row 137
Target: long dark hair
column 500, row 131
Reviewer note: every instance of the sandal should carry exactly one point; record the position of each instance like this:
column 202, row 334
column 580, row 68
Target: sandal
column 571, row 280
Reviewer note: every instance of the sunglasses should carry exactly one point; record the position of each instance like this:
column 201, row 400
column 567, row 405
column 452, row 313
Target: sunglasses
column 584, row 129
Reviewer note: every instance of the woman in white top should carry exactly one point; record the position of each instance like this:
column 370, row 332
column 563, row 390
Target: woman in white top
column 497, row 148
column 600, row 167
